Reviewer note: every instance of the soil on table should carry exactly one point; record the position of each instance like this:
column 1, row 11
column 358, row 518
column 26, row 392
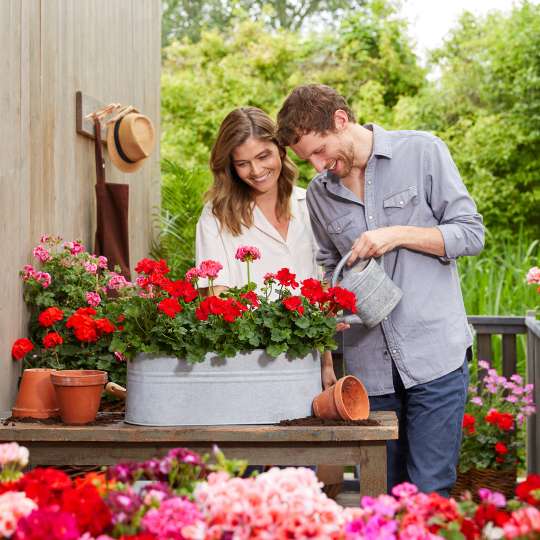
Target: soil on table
column 314, row 421
column 101, row 420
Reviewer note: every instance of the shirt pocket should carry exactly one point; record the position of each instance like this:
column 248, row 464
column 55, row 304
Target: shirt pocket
column 399, row 206
column 342, row 232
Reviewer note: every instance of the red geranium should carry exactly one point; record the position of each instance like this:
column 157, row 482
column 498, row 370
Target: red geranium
column 501, row 448
column 286, row 278
column 341, row 299
column 104, row 325
column 468, row 423
column 149, row 266
column 251, row 298
column 489, row 512
column 44, row 485
column 52, row 339
column 529, row 490
column 84, row 327
column 50, row 316
column 312, row 289
column 170, row 306
column 89, row 509
column 504, row 421
column 21, row 348
column 181, row 288
column 294, row 303
column 230, row 309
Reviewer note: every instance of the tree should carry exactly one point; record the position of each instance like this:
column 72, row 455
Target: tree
column 486, row 106
column 188, row 18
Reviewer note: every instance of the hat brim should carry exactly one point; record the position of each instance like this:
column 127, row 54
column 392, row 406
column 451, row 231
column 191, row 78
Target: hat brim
column 115, row 158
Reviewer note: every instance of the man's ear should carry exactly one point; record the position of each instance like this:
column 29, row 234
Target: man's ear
column 341, row 119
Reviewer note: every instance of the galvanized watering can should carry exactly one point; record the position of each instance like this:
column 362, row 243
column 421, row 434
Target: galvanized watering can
column 376, row 294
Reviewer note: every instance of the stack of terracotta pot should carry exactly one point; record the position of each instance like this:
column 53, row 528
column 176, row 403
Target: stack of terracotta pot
column 74, row 395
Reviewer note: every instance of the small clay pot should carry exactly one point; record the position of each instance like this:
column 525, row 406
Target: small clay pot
column 345, row 400
column 78, row 392
column 36, row 397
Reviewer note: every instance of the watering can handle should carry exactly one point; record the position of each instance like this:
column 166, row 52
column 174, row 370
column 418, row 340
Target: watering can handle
column 339, row 268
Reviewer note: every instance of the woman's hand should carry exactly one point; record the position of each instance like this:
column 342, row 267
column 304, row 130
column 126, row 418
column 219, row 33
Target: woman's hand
column 328, row 376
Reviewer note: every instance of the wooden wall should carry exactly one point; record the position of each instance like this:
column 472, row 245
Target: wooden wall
column 49, row 49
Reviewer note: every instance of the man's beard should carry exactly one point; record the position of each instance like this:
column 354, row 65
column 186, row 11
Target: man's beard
column 347, row 159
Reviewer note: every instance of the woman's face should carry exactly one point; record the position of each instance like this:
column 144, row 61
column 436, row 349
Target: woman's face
column 258, row 163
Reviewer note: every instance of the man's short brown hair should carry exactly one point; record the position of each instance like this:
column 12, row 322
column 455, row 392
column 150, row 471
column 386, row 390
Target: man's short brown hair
column 309, row 108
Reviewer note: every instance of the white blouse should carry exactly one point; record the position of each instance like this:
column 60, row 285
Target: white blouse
column 297, row 253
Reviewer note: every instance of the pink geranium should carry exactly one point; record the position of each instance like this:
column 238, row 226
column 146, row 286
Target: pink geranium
column 39, row 252
column 47, row 523
column 192, row 275
column 280, row 503
column 247, row 254
column 93, row 299
column 117, row 281
column 209, row 269
column 14, row 505
column 74, row 247
column 90, row 267
column 523, row 523
column 43, row 278
column 168, row 521
column 13, row 454
column 533, row 276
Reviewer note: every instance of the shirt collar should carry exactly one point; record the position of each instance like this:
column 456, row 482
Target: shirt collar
column 382, row 144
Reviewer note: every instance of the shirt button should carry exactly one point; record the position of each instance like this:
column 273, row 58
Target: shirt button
column 394, row 351
column 386, row 318
column 369, row 182
column 370, row 217
column 401, row 202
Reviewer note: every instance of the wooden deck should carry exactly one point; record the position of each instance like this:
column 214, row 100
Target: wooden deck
column 113, row 440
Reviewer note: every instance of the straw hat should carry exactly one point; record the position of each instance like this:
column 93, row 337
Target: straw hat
column 130, row 140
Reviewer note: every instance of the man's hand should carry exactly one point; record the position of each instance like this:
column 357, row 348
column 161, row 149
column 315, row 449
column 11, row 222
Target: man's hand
column 375, row 243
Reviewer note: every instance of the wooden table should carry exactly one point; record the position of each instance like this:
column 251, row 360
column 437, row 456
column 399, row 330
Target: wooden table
column 106, row 444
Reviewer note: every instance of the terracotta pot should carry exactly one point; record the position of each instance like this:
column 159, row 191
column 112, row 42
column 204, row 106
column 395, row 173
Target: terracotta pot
column 78, row 392
column 36, row 397
column 345, row 400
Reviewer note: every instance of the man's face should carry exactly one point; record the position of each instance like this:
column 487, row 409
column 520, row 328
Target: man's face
column 333, row 152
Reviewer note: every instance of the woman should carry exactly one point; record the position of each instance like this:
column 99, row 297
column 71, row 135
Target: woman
column 254, row 201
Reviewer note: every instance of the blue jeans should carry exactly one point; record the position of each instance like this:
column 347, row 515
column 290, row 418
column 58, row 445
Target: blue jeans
column 430, row 417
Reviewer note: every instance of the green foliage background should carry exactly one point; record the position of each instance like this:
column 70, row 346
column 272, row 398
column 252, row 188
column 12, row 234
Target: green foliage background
column 480, row 92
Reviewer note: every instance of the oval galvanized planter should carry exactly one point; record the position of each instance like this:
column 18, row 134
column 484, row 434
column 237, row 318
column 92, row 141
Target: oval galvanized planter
column 251, row 388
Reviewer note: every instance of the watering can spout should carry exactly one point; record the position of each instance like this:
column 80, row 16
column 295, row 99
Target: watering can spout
column 376, row 294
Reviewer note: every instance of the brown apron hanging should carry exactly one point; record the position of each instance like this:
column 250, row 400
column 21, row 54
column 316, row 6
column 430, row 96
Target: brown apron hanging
column 112, row 204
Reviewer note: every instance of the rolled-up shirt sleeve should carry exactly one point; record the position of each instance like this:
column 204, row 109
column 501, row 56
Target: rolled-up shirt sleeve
column 327, row 254
column 459, row 221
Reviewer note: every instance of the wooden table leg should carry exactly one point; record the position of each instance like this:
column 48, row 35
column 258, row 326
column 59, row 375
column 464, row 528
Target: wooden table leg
column 373, row 469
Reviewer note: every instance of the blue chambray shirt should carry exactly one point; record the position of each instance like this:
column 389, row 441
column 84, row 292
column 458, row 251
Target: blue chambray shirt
column 410, row 179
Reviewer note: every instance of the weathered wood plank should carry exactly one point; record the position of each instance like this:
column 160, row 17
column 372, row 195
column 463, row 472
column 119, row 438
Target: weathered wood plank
column 509, row 355
column 294, row 454
column 120, row 432
column 497, row 325
column 485, row 351
column 373, row 470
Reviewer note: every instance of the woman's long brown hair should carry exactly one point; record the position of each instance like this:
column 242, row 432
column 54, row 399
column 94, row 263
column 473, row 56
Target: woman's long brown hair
column 232, row 198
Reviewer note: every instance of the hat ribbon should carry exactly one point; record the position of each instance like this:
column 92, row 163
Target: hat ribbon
column 117, row 142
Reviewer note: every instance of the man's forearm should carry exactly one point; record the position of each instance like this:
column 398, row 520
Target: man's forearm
column 424, row 239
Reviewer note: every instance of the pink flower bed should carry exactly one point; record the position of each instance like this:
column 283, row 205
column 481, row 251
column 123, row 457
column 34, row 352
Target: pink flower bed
column 184, row 498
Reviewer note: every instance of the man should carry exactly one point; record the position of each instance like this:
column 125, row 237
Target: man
column 397, row 194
